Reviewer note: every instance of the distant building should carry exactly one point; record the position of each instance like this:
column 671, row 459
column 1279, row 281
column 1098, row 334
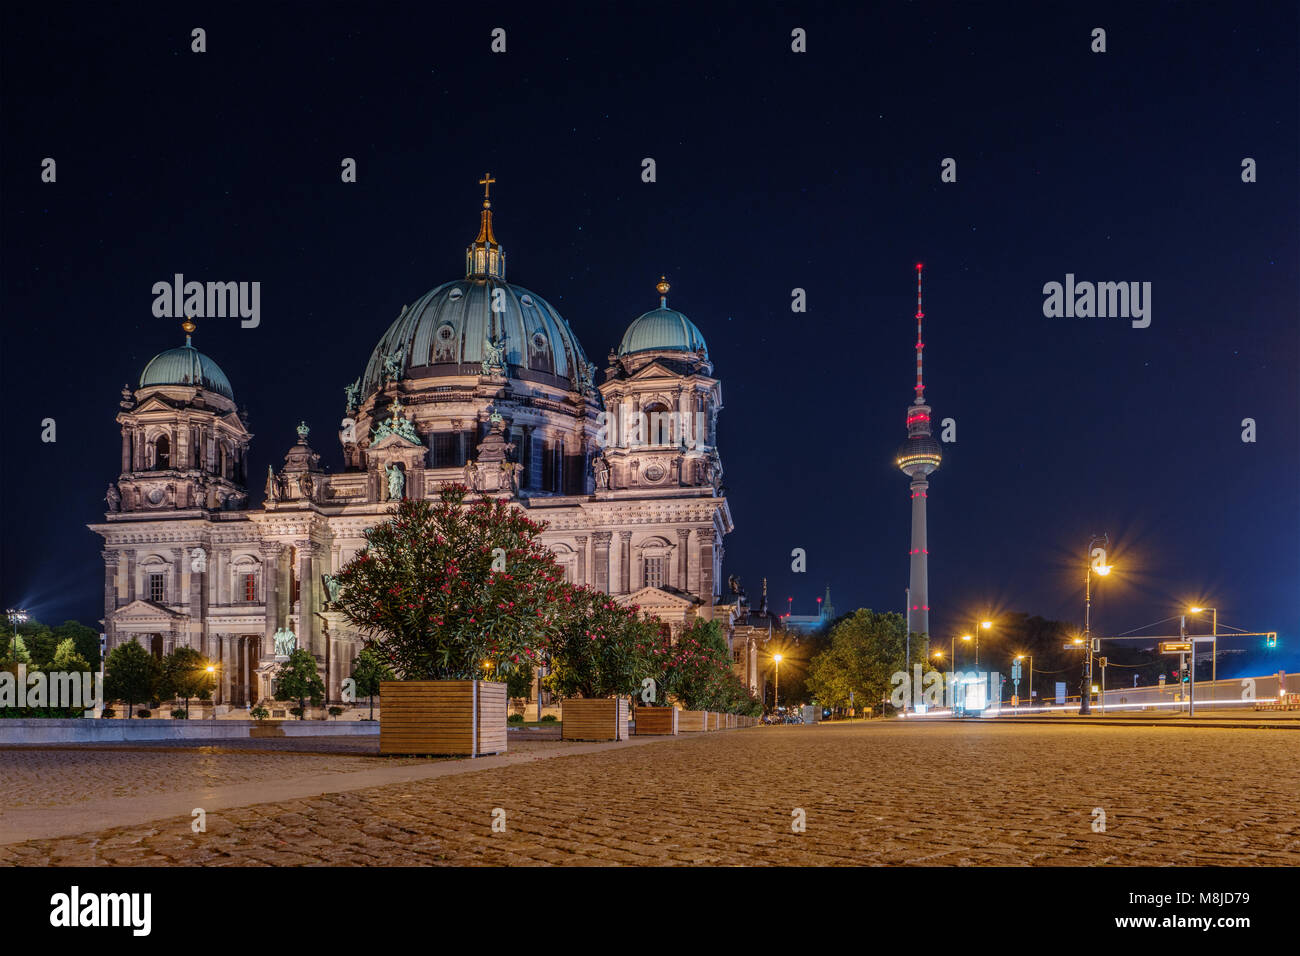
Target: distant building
column 811, row 623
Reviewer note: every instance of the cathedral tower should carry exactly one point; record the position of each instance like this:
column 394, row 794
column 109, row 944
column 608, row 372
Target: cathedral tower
column 918, row 457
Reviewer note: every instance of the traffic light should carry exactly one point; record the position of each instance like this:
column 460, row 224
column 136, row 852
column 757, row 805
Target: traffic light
column 1271, row 640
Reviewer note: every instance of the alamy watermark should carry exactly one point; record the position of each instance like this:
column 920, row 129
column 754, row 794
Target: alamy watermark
column 1102, row 300
column 62, row 689
column 209, row 300
column 943, row 689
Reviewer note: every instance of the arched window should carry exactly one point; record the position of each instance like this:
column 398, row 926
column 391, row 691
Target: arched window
column 659, row 424
column 162, row 453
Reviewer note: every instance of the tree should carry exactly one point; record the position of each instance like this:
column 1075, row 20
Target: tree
column 67, row 658
column 185, row 675
column 298, row 679
column 130, row 675
column 866, row 650
column 441, row 589
column 85, row 640
column 600, row 648
column 368, row 670
column 696, row 666
column 15, row 651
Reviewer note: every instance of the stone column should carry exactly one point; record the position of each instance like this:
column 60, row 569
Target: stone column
column 581, row 542
column 625, row 562
column 683, row 559
column 308, row 584
column 126, row 449
column 130, row 576
column 707, row 536
column 600, row 560
column 110, row 584
column 271, row 594
column 226, row 643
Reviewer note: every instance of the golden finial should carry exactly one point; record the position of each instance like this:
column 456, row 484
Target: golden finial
column 188, row 325
column 662, row 288
column 486, row 182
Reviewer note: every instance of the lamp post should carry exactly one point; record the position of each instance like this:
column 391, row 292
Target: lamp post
column 212, row 671
column 776, row 692
column 1214, row 633
column 983, row 626
column 1085, row 705
column 16, row 616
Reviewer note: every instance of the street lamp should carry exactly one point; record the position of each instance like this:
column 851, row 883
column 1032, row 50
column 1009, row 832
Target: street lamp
column 16, row 616
column 1085, row 706
column 984, row 626
column 1214, row 632
column 968, row 639
column 776, row 692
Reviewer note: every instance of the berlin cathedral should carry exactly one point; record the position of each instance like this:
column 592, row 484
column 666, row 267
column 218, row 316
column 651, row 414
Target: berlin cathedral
column 478, row 381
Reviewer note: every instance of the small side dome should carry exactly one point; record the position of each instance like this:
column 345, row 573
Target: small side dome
column 662, row 329
column 186, row 365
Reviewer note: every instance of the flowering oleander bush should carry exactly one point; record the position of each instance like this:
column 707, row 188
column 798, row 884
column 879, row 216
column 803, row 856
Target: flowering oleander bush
column 600, row 648
column 425, row 595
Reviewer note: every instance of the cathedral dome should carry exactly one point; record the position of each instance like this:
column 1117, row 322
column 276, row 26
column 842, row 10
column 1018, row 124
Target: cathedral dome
column 662, row 329
column 447, row 330
column 186, row 365
column 462, row 326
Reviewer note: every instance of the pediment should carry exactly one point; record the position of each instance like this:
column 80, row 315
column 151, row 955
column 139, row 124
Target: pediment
column 394, row 440
column 154, row 403
column 145, row 612
column 656, row 597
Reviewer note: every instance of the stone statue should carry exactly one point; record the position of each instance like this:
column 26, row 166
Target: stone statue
column 393, row 364
column 271, row 488
column 473, row 480
column 198, row 560
column 510, row 476
column 494, row 356
column 113, row 497
column 396, row 482
column 352, row 393
column 600, row 468
column 333, row 587
column 305, row 485
column 285, row 642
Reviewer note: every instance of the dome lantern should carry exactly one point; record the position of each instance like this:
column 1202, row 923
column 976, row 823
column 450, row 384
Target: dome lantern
column 485, row 259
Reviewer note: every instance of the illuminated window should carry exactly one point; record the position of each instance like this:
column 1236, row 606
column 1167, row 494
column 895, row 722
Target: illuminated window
column 250, row 587
column 654, row 572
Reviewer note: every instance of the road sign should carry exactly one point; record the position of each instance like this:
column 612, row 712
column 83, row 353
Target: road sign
column 1175, row 647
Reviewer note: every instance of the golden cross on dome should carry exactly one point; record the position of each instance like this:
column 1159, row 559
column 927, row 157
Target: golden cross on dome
column 486, row 182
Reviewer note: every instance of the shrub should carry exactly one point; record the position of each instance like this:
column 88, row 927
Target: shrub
column 258, row 712
column 180, row 714
column 549, row 719
column 515, row 719
column 336, row 711
column 297, row 712
column 143, row 713
column 109, row 713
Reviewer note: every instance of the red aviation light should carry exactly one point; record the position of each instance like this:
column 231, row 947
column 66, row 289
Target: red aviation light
column 918, row 267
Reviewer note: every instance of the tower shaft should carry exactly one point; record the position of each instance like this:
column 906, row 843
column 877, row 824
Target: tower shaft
column 918, row 614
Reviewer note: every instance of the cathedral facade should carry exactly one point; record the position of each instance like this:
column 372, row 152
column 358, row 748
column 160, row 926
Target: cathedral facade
column 479, row 381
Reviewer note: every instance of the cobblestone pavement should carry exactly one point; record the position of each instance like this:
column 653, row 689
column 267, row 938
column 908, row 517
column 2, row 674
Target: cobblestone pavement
column 884, row 793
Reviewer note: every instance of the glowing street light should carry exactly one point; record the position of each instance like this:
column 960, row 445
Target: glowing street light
column 1096, row 562
column 16, row 616
column 1214, row 632
column 776, row 692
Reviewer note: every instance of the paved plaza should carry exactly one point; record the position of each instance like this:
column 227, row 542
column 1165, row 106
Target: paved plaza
column 944, row 793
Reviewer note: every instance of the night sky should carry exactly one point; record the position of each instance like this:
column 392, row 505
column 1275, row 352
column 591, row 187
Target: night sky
column 776, row 170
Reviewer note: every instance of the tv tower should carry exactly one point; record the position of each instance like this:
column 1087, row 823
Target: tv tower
column 917, row 458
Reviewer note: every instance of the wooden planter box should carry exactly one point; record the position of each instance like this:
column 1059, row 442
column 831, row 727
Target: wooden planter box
column 656, row 721
column 692, row 721
column 597, row 718
column 453, row 717
column 731, row 721
column 715, row 720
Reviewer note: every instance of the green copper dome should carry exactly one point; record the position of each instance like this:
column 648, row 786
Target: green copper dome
column 662, row 329
column 186, row 365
